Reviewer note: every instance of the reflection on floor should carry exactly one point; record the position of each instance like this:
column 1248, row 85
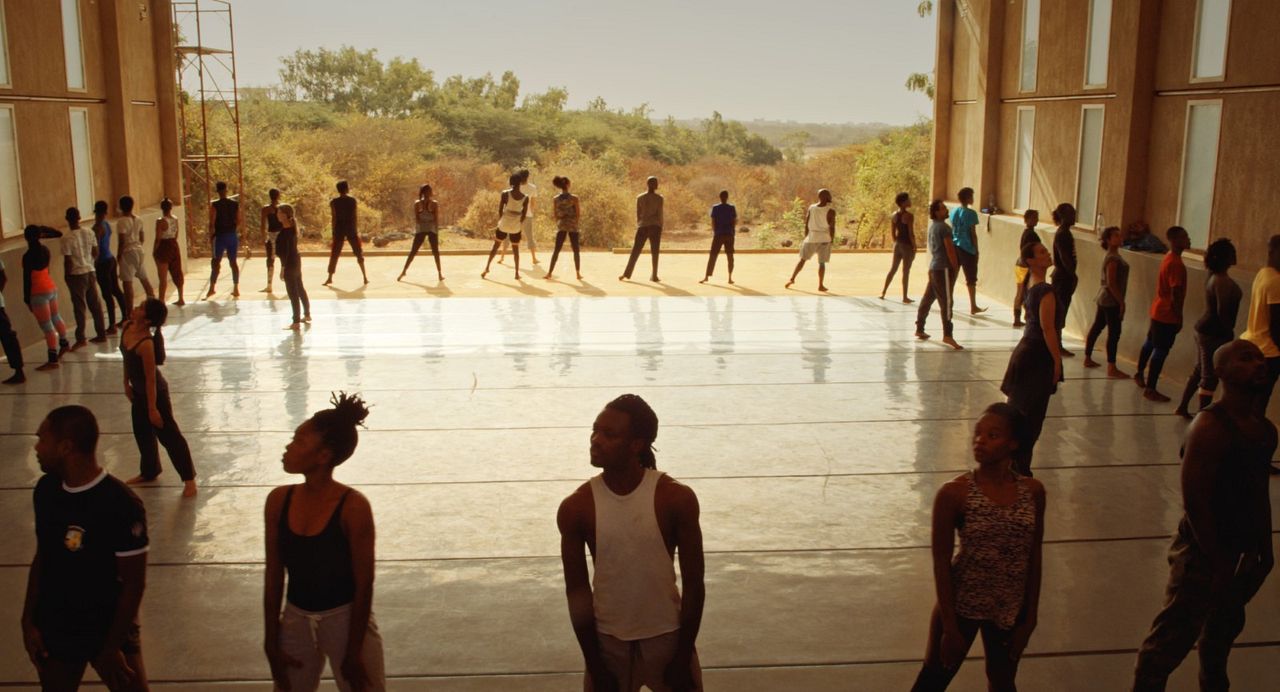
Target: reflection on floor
column 815, row 431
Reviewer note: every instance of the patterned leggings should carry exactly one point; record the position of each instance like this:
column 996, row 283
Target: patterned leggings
column 45, row 307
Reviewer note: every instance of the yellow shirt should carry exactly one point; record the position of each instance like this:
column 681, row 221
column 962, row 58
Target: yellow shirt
column 1264, row 294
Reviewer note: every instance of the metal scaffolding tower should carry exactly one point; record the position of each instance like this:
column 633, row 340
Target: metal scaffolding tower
column 208, row 106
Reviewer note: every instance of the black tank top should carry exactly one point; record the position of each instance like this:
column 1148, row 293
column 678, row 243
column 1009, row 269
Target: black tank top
column 225, row 211
column 320, row 573
column 133, row 369
column 344, row 213
column 273, row 222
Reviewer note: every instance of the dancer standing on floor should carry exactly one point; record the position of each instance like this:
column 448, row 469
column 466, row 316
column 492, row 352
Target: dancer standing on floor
column 724, row 227
column 1035, row 368
column 1111, row 303
column 1223, row 549
column 1030, row 219
column 942, row 266
column 632, row 623
column 77, row 249
column 649, row 223
column 291, row 266
column 321, row 534
column 426, row 216
column 1064, row 279
column 964, row 233
column 167, row 253
column 344, row 223
column 1166, row 315
column 992, row 584
column 1217, row 326
column 568, row 211
column 820, row 233
column 41, row 294
column 902, row 228
column 130, row 256
column 142, row 345
column 526, row 228
column 89, row 572
column 9, row 337
column 106, row 268
column 1264, row 312
column 511, row 212
column 225, row 219
column 269, row 224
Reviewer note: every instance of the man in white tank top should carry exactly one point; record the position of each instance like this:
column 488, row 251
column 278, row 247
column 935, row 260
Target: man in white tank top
column 634, row 626
column 820, row 232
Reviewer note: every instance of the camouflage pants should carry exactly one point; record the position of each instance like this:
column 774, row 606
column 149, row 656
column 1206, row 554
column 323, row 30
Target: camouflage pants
column 1192, row 615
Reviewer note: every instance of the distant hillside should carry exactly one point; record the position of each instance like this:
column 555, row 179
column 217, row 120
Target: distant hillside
column 821, row 135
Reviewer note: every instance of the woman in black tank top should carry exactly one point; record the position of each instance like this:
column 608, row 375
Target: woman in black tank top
column 320, row 533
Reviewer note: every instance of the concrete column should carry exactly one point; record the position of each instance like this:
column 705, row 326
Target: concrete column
column 990, row 62
column 1135, row 102
column 942, row 76
column 166, row 97
column 117, row 105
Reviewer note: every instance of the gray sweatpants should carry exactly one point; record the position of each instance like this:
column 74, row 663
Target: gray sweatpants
column 642, row 662
column 84, row 293
column 311, row 637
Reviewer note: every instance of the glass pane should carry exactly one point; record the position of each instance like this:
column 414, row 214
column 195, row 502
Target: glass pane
column 1199, row 171
column 1099, row 43
column 1211, row 39
column 1022, row 166
column 1030, row 44
column 81, row 161
column 4, row 48
column 10, row 183
column 1090, row 165
column 71, row 43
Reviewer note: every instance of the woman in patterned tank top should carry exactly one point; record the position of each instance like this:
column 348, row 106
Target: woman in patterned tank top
column 992, row 583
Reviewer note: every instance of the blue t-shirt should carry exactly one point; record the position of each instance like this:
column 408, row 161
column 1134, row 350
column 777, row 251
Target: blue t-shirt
column 104, row 243
column 939, row 231
column 963, row 223
column 722, row 218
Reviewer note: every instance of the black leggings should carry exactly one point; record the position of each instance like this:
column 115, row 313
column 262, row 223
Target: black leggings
column 296, row 291
column 109, row 282
column 170, row 436
column 573, row 242
column 720, row 241
column 1001, row 668
column 9, row 338
column 1107, row 317
column 433, row 239
column 1160, row 337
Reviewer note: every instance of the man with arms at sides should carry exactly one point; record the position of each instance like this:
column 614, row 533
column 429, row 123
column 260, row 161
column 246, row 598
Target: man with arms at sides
column 648, row 228
column 225, row 219
column 344, row 225
column 1223, row 549
column 964, row 233
column 1264, row 311
column 820, row 233
column 270, row 226
column 724, row 224
column 87, row 578
column 634, row 626
column 78, row 246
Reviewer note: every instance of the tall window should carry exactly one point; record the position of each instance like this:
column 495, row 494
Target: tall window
column 1099, row 47
column 1030, row 44
column 1209, row 59
column 1022, row 162
column 11, row 216
column 1199, row 169
column 1091, row 119
column 81, row 159
column 4, row 50
column 72, row 46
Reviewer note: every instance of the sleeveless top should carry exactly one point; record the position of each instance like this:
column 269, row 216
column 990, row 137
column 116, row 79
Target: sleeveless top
column 35, row 261
column 1213, row 323
column 427, row 222
column 169, row 231
column 1242, row 467
column 104, row 243
column 510, row 221
column 344, row 213
column 906, row 238
column 1105, row 299
column 273, row 225
column 634, row 584
column 321, row 576
column 566, row 215
column 225, row 212
column 133, row 369
column 1031, row 308
column 989, row 572
column 41, row 282
column 818, row 230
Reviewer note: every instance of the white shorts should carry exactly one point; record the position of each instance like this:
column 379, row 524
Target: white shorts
column 642, row 662
column 129, row 264
column 822, row 250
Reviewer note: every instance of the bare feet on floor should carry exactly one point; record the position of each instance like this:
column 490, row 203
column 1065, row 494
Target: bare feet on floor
column 139, row 480
column 1091, row 363
column 1114, row 373
column 189, row 488
column 47, row 367
column 1153, row 395
column 921, row 335
column 952, row 343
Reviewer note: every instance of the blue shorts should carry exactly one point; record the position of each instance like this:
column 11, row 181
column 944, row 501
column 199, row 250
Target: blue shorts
column 225, row 244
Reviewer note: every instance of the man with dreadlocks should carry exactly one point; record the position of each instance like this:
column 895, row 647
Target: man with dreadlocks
column 632, row 622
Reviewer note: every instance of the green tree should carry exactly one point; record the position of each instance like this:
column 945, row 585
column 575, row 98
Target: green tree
column 922, row 81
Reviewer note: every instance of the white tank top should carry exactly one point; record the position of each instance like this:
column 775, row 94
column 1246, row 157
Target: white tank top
column 635, row 580
column 818, row 230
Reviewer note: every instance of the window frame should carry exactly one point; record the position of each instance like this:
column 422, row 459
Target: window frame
column 71, row 135
column 1017, row 156
column 1022, row 49
column 1195, row 45
column 84, row 70
column 1080, row 220
column 6, row 76
column 17, row 160
column 1182, row 166
column 1088, row 48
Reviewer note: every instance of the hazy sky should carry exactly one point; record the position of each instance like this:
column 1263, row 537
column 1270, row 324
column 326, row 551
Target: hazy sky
column 804, row 60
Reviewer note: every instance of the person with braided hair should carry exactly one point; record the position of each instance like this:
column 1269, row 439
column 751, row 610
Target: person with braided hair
column 321, row 534
column 633, row 624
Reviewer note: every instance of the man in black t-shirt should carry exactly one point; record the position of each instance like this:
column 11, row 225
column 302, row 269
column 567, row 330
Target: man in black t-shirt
column 87, row 578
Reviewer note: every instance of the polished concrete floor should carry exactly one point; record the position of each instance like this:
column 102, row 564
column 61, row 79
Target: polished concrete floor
column 815, row 431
